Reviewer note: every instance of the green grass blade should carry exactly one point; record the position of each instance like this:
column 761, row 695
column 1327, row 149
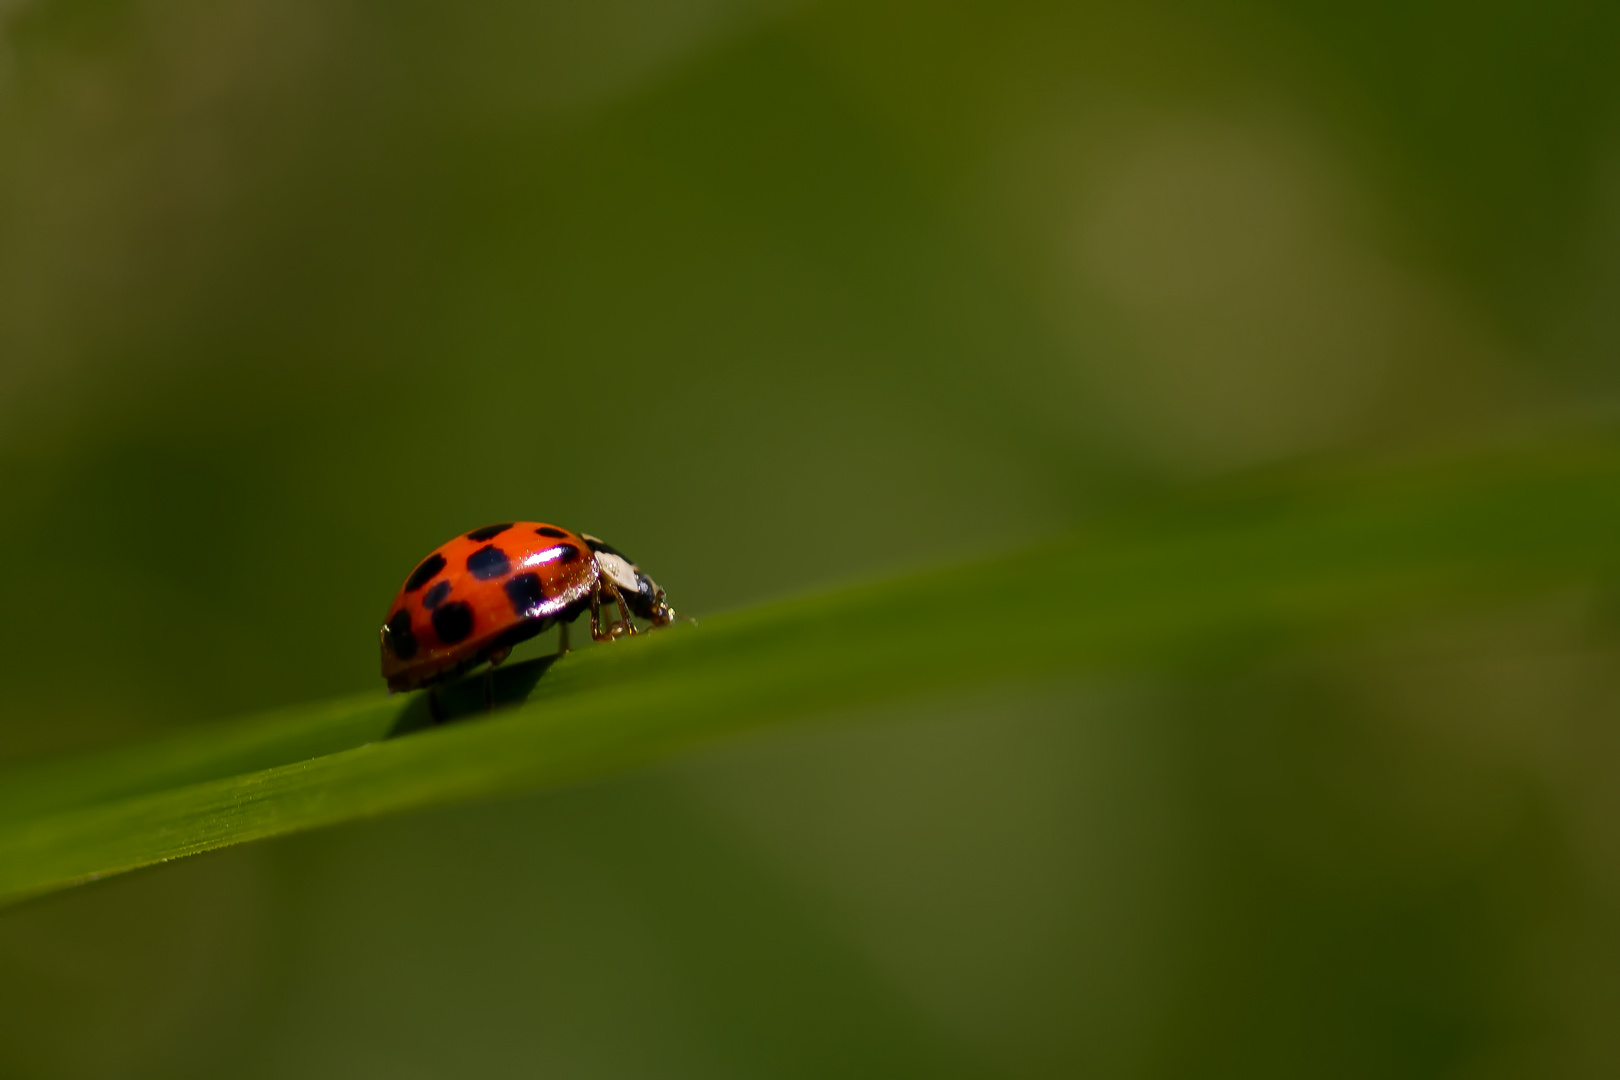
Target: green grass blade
column 1197, row 584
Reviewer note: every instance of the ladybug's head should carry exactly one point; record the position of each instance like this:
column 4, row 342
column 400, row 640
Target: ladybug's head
column 641, row 593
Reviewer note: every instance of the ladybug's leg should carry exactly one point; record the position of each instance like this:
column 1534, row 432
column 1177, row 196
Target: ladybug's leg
column 597, row 634
column 562, row 636
column 495, row 659
column 625, row 627
column 617, row 630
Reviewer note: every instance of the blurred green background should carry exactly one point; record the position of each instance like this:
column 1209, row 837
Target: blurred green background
column 776, row 295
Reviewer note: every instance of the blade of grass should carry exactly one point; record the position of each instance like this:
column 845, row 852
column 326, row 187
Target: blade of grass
column 1202, row 583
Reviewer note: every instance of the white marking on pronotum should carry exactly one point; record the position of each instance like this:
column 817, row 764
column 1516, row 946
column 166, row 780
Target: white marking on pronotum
column 618, row 570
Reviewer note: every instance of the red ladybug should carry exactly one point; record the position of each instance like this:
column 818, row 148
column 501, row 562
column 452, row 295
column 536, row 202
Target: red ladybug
column 480, row 594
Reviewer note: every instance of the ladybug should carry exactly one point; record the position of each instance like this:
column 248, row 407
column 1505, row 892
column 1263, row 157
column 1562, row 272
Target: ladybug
column 478, row 595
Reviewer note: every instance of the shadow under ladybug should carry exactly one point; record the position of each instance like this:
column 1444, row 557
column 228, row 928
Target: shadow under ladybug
column 475, row 695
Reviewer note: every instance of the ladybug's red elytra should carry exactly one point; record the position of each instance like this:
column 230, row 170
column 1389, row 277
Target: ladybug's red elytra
column 478, row 595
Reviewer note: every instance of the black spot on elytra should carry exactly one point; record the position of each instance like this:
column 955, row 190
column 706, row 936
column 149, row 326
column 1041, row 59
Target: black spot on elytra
column 566, row 553
column 551, row 531
column 426, row 572
column 488, row 562
column 435, row 596
column 452, row 622
column 488, row 532
column 399, row 637
column 525, row 593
